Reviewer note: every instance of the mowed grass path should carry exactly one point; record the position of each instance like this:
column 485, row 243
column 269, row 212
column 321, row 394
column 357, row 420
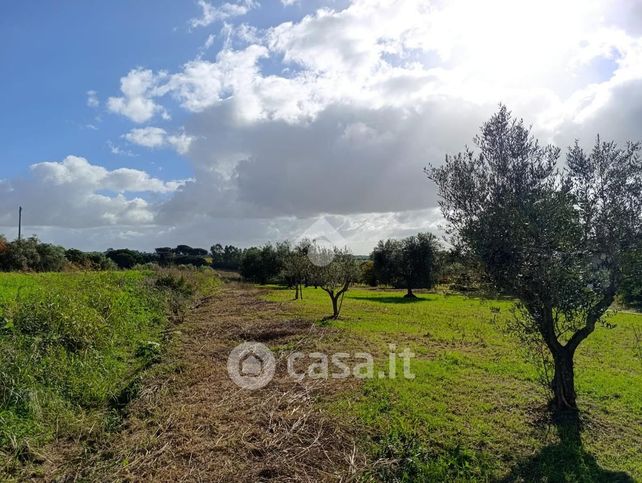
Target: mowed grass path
column 475, row 410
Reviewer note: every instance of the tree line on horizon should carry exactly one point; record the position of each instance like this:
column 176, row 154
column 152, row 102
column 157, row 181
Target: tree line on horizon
column 411, row 263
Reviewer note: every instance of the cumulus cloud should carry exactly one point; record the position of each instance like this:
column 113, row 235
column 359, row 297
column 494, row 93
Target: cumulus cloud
column 139, row 87
column 336, row 113
column 211, row 13
column 76, row 193
column 156, row 137
column 345, row 161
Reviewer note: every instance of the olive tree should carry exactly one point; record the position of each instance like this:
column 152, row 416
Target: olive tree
column 556, row 239
column 297, row 267
column 407, row 263
column 336, row 276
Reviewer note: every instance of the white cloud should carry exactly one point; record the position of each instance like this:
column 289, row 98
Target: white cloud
column 383, row 53
column 209, row 42
column 181, row 142
column 211, row 14
column 338, row 112
column 92, row 99
column 150, row 137
column 139, row 87
column 156, row 137
column 76, row 170
column 117, row 150
column 75, row 193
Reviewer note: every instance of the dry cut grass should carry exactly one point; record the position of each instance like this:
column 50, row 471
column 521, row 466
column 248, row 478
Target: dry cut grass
column 191, row 423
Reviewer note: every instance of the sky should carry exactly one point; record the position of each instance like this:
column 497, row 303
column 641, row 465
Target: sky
column 156, row 122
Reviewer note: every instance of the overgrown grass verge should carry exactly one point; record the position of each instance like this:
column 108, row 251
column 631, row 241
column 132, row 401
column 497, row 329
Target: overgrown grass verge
column 72, row 347
column 476, row 410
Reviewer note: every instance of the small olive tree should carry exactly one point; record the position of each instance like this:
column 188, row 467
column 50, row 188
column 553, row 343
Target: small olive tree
column 336, row 276
column 297, row 267
column 556, row 240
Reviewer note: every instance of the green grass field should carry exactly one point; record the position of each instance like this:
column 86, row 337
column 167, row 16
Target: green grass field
column 476, row 410
column 72, row 346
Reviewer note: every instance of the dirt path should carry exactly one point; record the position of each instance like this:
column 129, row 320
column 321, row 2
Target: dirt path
column 192, row 423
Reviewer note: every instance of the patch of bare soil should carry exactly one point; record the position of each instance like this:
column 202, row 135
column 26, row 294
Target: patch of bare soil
column 190, row 422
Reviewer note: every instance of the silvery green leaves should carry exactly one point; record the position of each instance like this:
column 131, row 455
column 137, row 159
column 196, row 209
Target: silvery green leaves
column 556, row 240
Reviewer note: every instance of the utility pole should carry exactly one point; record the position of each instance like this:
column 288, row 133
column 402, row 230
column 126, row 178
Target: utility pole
column 19, row 223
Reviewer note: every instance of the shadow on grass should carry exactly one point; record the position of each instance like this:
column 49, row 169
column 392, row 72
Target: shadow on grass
column 394, row 300
column 566, row 460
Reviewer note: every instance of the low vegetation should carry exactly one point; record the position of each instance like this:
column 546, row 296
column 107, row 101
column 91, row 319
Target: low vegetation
column 72, row 347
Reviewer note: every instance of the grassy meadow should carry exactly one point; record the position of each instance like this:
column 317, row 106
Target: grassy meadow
column 476, row 410
column 72, row 348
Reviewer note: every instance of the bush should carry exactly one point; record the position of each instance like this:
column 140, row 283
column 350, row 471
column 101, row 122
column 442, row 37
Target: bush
column 30, row 255
column 89, row 260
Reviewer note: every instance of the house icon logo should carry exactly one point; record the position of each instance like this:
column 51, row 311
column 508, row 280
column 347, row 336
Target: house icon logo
column 251, row 365
column 324, row 238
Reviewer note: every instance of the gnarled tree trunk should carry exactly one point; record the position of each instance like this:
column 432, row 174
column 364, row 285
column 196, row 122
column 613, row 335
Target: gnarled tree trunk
column 563, row 383
column 335, row 306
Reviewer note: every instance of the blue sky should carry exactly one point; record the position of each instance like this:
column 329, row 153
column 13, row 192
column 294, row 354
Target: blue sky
column 53, row 52
column 249, row 120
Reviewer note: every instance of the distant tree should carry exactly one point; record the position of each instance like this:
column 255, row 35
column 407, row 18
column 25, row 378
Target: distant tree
column 181, row 255
column 368, row 274
column 217, row 254
column 193, row 260
column 297, row 267
column 227, row 258
column 407, row 263
column 336, row 277
column 165, row 256
column 631, row 290
column 125, row 258
column 252, row 267
column 459, row 270
column 264, row 264
column 555, row 240
column 183, row 250
column 232, row 257
column 188, row 251
column 386, row 261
